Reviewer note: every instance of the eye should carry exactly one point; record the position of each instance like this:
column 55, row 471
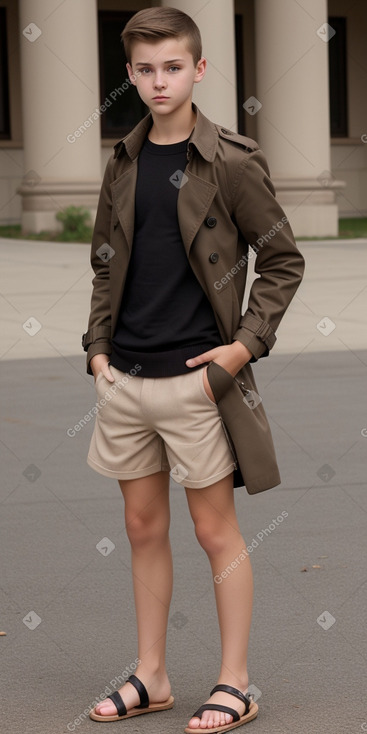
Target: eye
column 148, row 70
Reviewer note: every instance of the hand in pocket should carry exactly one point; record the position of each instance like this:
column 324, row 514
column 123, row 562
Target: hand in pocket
column 99, row 364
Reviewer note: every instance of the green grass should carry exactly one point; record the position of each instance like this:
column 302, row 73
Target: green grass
column 348, row 228
column 15, row 231
column 353, row 227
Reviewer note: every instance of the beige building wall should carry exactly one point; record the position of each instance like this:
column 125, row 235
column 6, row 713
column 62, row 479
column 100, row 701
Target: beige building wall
column 60, row 90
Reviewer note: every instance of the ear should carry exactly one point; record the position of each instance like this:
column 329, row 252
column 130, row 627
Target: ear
column 200, row 69
column 131, row 74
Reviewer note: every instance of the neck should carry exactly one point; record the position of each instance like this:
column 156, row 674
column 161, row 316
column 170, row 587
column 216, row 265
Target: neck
column 174, row 127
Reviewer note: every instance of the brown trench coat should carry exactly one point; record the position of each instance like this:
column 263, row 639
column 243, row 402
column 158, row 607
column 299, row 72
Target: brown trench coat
column 226, row 204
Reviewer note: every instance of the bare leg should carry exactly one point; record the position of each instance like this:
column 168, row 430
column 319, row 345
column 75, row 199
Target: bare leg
column 147, row 518
column 213, row 512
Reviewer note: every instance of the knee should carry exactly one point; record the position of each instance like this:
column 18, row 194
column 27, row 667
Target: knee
column 211, row 537
column 143, row 530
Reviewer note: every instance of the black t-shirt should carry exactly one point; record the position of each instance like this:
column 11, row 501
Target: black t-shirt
column 165, row 316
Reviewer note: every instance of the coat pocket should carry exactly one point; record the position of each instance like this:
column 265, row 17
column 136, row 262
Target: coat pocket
column 219, row 380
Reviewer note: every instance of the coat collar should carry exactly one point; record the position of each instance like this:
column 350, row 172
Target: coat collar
column 204, row 137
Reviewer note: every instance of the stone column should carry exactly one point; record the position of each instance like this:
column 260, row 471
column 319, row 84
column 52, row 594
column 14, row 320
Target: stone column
column 293, row 122
column 60, row 93
column 215, row 95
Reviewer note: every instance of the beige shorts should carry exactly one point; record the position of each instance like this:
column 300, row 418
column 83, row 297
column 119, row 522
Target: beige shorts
column 147, row 424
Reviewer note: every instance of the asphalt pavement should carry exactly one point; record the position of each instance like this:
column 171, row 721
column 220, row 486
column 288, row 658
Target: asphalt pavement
column 66, row 602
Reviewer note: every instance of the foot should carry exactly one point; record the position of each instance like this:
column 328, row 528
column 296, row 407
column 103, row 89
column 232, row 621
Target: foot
column 211, row 718
column 157, row 685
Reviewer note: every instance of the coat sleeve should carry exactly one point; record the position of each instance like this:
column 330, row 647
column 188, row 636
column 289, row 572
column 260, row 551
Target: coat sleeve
column 97, row 338
column 279, row 263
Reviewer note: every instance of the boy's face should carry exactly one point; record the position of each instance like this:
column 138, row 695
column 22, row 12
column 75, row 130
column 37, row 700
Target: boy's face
column 165, row 73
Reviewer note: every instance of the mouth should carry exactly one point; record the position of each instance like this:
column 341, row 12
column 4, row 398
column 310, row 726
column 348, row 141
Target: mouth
column 160, row 96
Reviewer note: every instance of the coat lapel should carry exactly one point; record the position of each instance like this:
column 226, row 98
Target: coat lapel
column 194, row 197
column 194, row 200
column 123, row 198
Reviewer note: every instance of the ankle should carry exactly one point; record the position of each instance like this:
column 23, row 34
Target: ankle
column 240, row 681
column 151, row 669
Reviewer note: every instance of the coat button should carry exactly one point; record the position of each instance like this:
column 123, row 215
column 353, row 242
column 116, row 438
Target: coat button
column 214, row 257
column 226, row 132
column 211, row 221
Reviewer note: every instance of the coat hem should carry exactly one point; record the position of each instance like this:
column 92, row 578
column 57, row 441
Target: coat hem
column 262, row 485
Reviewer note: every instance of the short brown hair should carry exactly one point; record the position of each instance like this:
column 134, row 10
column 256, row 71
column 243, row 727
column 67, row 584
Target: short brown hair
column 153, row 24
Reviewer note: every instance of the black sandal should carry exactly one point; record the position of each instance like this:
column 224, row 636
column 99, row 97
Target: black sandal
column 251, row 710
column 144, row 707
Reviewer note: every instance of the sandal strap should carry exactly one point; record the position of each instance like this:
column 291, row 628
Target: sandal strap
column 217, row 707
column 234, row 692
column 142, row 691
column 117, row 700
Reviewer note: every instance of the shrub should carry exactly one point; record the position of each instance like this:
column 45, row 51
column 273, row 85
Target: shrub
column 76, row 222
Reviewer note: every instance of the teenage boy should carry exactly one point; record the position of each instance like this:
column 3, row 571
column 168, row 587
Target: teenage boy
column 181, row 201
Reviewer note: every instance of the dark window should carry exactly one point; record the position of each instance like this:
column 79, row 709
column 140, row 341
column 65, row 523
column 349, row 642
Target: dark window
column 240, row 91
column 338, row 79
column 4, row 84
column 126, row 108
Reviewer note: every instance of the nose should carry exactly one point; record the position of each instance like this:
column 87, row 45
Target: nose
column 158, row 80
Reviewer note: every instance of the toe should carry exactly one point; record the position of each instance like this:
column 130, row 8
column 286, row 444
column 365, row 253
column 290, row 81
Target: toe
column 207, row 721
column 106, row 708
column 219, row 718
column 216, row 718
column 210, row 719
